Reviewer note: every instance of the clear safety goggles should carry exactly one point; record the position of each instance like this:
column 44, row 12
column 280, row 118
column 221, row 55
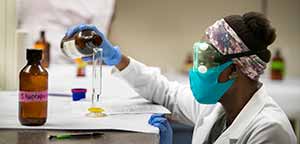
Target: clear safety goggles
column 206, row 56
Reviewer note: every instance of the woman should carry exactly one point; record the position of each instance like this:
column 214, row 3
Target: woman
column 226, row 102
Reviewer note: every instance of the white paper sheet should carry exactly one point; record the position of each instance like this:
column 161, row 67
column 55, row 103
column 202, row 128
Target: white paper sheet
column 63, row 114
column 135, row 105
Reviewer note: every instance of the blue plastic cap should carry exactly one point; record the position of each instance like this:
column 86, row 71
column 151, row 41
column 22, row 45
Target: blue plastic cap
column 78, row 94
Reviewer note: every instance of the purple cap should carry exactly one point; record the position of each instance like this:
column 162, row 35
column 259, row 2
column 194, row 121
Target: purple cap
column 78, row 93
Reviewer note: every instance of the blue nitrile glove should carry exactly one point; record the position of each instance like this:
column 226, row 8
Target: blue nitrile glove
column 111, row 54
column 165, row 129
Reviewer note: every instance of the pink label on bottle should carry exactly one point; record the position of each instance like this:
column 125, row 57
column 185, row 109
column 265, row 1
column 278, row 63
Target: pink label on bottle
column 35, row 96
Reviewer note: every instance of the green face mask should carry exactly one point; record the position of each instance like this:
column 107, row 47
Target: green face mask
column 205, row 86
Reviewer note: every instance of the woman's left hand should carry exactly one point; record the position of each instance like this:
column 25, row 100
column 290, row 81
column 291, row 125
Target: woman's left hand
column 165, row 129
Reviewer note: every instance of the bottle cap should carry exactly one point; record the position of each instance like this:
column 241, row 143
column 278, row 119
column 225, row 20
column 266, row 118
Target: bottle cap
column 78, row 93
column 42, row 33
column 34, row 54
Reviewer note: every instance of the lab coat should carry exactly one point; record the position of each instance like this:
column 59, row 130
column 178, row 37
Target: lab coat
column 261, row 121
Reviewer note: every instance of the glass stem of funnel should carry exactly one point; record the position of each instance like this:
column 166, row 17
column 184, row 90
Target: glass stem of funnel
column 97, row 76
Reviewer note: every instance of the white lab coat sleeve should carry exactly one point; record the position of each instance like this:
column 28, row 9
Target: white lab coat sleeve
column 149, row 83
column 271, row 133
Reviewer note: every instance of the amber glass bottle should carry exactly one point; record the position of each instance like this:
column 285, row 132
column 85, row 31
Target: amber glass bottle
column 81, row 67
column 188, row 63
column 81, row 44
column 43, row 44
column 33, row 90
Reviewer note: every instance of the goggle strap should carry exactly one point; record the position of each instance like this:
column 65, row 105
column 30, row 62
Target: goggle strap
column 225, row 58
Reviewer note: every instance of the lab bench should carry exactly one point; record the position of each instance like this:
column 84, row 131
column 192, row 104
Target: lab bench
column 109, row 137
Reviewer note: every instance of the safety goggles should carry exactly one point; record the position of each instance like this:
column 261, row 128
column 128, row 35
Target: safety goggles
column 206, row 56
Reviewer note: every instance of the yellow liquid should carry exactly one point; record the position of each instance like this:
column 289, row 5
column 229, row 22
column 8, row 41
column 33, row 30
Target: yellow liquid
column 95, row 112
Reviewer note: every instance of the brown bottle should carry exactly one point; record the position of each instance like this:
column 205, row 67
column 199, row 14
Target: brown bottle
column 277, row 66
column 81, row 67
column 43, row 44
column 81, row 44
column 33, row 90
column 188, row 63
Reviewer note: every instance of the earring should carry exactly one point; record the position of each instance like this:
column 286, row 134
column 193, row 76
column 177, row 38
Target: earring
column 233, row 75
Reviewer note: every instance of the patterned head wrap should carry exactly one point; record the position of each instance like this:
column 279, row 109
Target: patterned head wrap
column 226, row 41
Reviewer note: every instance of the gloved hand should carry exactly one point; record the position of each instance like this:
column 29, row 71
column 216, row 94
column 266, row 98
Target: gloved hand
column 111, row 54
column 165, row 129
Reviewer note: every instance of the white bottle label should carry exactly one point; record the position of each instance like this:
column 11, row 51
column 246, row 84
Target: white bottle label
column 71, row 50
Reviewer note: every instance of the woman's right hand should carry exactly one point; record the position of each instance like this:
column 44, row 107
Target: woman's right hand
column 111, row 54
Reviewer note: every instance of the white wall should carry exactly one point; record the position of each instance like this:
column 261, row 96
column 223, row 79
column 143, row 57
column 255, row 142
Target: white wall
column 8, row 57
column 162, row 32
column 2, row 42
